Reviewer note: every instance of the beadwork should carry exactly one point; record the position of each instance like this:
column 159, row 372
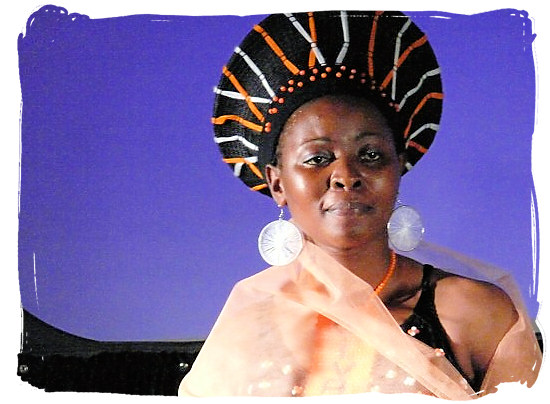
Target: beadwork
column 413, row 331
column 289, row 59
column 338, row 72
column 389, row 273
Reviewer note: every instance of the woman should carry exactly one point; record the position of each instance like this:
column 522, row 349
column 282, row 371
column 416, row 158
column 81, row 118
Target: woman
column 324, row 112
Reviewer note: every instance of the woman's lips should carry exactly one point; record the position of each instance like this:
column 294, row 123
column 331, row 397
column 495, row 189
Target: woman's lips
column 349, row 208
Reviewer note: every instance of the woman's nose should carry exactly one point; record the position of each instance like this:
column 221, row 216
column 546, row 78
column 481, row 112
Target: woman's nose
column 345, row 177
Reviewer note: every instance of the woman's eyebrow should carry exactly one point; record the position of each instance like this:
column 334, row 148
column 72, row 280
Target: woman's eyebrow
column 317, row 140
column 363, row 135
column 358, row 137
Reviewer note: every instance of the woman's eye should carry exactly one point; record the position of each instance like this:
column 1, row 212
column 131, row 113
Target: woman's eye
column 317, row 160
column 370, row 156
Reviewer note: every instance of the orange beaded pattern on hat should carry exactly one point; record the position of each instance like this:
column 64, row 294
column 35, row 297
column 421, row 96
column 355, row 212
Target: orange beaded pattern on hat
column 290, row 59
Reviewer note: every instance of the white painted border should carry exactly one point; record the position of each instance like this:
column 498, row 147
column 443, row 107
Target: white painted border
column 14, row 18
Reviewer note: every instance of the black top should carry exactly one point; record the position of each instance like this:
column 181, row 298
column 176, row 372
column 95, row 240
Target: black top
column 429, row 329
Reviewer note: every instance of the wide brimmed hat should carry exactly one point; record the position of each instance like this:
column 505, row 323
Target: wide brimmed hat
column 289, row 59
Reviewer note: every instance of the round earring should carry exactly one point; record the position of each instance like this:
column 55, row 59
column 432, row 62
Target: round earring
column 280, row 242
column 405, row 228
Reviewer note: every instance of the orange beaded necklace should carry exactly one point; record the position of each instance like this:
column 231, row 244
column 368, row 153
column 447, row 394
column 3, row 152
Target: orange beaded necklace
column 389, row 273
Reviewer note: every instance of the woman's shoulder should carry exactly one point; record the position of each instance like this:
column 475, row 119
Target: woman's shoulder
column 475, row 312
column 471, row 297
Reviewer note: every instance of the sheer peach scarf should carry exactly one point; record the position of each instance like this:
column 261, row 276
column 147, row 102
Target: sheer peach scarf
column 312, row 328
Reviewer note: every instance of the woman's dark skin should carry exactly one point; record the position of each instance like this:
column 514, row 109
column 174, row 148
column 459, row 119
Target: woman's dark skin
column 338, row 172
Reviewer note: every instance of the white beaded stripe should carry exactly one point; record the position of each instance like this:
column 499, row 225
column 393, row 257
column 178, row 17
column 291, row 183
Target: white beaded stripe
column 345, row 33
column 235, row 138
column 239, row 96
column 256, row 70
column 239, row 166
column 308, row 38
column 396, row 56
column 433, row 72
column 422, row 129
column 237, row 169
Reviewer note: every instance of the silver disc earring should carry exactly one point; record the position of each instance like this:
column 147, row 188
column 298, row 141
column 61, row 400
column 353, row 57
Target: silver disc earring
column 405, row 228
column 280, row 242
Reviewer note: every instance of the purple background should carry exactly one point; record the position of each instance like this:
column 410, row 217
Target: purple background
column 131, row 227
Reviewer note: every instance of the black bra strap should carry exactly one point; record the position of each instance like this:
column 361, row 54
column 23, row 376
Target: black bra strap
column 425, row 316
column 426, row 276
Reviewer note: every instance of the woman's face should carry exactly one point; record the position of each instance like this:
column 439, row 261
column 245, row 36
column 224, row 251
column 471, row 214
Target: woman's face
column 338, row 171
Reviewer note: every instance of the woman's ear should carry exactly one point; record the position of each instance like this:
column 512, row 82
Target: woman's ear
column 274, row 181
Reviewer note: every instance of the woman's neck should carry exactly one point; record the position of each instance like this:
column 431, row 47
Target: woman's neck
column 370, row 263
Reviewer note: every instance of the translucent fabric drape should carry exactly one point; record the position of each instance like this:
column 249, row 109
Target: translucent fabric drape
column 312, row 328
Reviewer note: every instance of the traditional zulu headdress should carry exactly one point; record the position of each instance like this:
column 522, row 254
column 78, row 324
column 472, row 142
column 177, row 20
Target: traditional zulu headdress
column 289, row 59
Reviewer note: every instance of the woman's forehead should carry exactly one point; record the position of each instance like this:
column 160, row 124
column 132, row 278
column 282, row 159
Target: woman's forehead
column 336, row 107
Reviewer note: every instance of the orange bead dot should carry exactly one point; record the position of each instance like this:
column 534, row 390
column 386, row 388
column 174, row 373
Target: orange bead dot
column 323, row 75
column 300, row 84
column 312, row 78
column 315, row 71
column 275, row 98
column 338, row 74
column 281, row 100
column 342, row 67
column 291, row 82
column 302, row 73
column 267, row 129
column 283, row 88
column 291, row 89
column 351, row 76
column 328, row 69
